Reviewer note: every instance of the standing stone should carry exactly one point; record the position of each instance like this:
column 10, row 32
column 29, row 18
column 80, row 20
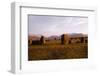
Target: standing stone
column 64, row 39
column 83, row 40
column 69, row 41
column 30, row 42
column 42, row 40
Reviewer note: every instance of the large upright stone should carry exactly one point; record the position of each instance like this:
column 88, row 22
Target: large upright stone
column 30, row 42
column 42, row 40
column 64, row 39
column 82, row 40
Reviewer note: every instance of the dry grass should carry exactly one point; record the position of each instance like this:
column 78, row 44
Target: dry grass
column 54, row 50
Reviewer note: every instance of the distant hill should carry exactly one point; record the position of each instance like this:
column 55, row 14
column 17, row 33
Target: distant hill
column 77, row 35
column 33, row 37
column 70, row 35
column 55, row 37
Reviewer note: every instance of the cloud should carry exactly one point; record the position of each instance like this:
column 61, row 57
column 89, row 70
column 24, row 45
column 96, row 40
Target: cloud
column 48, row 25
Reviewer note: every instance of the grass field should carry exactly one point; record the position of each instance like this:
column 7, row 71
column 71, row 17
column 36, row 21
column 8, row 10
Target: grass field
column 54, row 50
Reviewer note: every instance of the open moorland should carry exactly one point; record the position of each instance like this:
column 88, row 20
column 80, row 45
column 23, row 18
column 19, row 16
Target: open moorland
column 55, row 50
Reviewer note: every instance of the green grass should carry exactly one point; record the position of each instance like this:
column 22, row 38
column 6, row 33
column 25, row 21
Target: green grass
column 54, row 50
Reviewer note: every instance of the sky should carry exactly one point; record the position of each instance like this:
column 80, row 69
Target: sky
column 56, row 25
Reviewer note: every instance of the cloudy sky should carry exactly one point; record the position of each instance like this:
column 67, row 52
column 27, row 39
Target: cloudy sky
column 56, row 25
